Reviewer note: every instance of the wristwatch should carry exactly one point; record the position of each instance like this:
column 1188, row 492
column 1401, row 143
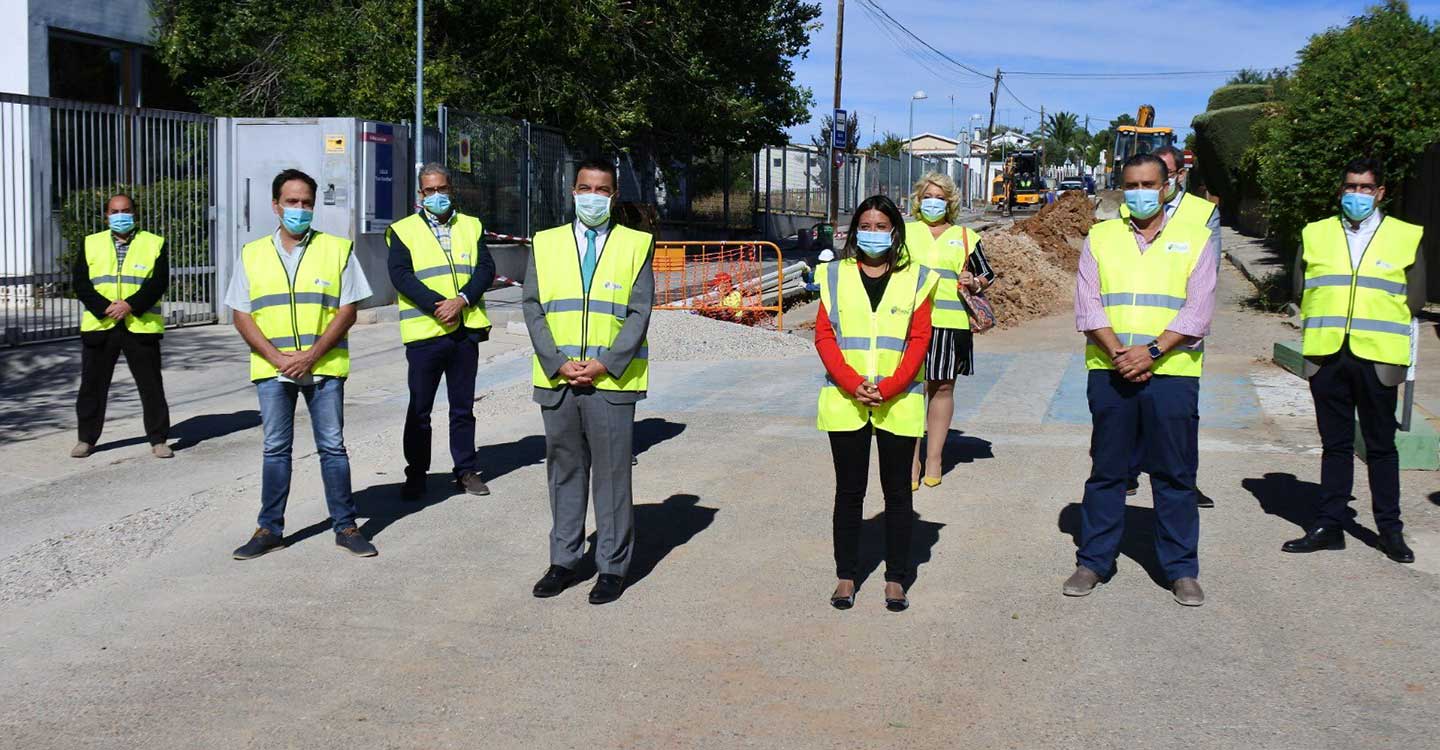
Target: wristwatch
column 1154, row 348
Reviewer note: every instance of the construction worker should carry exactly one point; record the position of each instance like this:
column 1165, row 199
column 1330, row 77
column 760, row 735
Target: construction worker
column 1182, row 207
column 872, row 333
column 1144, row 298
column 293, row 297
column 953, row 253
column 1361, row 280
column 441, row 269
column 588, row 292
column 119, row 278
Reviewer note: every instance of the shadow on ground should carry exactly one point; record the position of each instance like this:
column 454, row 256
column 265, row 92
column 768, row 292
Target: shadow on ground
column 1137, row 540
column 924, row 536
column 1284, row 495
column 960, row 449
column 196, row 430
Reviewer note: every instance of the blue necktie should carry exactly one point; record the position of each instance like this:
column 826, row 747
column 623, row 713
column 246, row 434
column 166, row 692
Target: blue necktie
column 587, row 266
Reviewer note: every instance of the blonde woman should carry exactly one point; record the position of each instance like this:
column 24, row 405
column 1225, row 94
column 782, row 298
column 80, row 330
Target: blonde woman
column 954, row 253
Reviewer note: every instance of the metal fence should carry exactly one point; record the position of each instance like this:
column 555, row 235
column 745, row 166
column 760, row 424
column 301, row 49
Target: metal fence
column 795, row 179
column 59, row 163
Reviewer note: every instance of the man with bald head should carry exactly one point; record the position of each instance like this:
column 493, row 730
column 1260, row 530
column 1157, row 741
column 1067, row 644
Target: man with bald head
column 119, row 277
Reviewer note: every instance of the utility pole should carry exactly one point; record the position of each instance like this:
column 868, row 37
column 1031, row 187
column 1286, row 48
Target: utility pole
column 835, row 172
column 1041, row 168
column 952, row 116
column 990, row 134
column 419, row 86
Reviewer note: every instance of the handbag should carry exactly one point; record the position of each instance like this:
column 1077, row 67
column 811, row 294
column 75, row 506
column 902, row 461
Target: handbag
column 982, row 313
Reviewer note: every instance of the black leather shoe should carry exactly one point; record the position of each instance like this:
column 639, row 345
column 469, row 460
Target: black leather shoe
column 1203, row 500
column 556, row 579
column 607, row 589
column 472, row 483
column 1316, row 539
column 1392, row 543
column 413, row 489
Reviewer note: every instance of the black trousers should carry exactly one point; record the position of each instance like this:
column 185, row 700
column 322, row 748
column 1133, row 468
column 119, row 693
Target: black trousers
column 455, row 357
column 851, row 451
column 1344, row 386
column 98, row 353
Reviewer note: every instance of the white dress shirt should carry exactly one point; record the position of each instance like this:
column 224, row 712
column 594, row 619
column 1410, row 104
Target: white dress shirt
column 601, row 232
column 1358, row 238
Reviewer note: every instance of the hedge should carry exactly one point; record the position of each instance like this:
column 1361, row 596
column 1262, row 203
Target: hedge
column 1239, row 94
column 1221, row 138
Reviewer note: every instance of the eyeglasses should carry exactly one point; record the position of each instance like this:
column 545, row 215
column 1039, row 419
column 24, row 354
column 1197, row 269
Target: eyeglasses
column 1367, row 189
column 427, row 192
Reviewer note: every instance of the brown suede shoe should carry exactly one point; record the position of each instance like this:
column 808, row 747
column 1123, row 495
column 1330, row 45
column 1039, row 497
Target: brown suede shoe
column 162, row 450
column 1187, row 592
column 1081, row 582
column 82, row 450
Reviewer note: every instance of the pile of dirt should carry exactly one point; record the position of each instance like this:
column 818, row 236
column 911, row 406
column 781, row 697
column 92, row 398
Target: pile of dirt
column 1031, row 283
column 1060, row 227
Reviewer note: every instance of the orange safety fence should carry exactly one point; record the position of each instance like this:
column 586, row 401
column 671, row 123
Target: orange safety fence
column 722, row 280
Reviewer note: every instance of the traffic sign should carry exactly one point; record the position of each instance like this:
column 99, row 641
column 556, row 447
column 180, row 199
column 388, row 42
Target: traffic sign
column 839, row 134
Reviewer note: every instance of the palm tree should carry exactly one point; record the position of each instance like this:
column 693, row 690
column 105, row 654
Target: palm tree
column 1061, row 132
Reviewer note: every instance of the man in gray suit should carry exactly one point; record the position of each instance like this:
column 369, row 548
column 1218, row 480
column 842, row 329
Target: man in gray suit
column 588, row 293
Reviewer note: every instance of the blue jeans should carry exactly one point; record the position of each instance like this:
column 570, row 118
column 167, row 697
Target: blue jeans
column 326, row 402
column 1166, row 412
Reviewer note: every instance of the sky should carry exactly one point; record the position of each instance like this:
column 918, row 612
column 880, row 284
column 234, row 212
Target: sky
column 1043, row 36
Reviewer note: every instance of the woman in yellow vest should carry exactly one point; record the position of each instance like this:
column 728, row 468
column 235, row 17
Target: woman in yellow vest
column 953, row 253
column 872, row 333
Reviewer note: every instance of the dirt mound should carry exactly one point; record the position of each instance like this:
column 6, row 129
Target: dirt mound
column 1060, row 227
column 1030, row 283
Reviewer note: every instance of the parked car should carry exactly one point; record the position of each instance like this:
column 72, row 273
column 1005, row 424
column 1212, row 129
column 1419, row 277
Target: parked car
column 1072, row 183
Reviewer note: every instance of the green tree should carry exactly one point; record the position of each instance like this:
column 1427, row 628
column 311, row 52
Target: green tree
column 1371, row 88
column 1062, row 133
column 1246, row 75
column 889, row 144
column 681, row 74
column 1105, row 139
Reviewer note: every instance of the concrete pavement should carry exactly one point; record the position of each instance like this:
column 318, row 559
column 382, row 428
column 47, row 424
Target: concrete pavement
column 123, row 622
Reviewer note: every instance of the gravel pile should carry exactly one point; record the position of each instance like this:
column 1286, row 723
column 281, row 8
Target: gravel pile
column 1029, row 284
column 1060, row 227
column 680, row 335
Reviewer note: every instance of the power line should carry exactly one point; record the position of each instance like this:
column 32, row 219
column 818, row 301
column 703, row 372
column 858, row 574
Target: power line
column 872, row 6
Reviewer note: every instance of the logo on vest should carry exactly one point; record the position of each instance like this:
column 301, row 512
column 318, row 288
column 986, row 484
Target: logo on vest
column 322, row 282
column 141, row 267
column 612, row 286
column 1177, row 247
column 464, row 256
column 1384, row 265
column 898, row 310
column 957, row 243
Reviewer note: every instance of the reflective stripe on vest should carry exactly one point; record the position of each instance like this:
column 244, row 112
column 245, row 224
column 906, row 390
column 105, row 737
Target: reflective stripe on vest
column 873, row 343
column 293, row 317
column 117, row 283
column 945, row 256
column 1142, row 292
column 585, row 324
column 1368, row 304
column 443, row 274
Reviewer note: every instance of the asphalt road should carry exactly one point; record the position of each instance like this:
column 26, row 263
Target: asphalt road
column 124, row 623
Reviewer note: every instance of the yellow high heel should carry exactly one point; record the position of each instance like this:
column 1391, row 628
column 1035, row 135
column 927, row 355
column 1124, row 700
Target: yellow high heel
column 914, row 486
column 932, row 481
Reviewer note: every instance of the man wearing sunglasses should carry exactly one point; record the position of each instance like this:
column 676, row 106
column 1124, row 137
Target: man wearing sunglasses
column 1360, row 280
column 441, row 269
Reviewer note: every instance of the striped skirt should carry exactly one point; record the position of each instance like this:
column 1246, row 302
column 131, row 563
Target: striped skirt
column 952, row 353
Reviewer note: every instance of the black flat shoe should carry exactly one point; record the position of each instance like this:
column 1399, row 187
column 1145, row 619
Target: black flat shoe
column 556, row 579
column 607, row 589
column 897, row 605
column 1203, row 500
column 843, row 602
column 1316, row 539
column 1392, row 543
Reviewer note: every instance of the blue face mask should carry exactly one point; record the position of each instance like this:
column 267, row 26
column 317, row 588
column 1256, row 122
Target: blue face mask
column 121, row 223
column 873, row 244
column 932, row 209
column 593, row 209
column 1142, row 203
column 296, row 220
column 1357, row 206
column 437, row 204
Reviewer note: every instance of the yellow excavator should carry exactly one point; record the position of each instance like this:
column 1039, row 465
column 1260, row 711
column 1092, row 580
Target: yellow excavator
column 1141, row 138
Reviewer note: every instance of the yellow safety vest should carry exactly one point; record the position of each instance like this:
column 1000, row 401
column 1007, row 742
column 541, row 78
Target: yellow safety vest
column 115, row 281
column 945, row 256
column 1192, row 210
column 1368, row 304
column 293, row 316
column 1142, row 292
column 585, row 323
column 444, row 274
column 873, row 342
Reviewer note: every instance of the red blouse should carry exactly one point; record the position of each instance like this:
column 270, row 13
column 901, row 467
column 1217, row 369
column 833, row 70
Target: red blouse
column 917, row 345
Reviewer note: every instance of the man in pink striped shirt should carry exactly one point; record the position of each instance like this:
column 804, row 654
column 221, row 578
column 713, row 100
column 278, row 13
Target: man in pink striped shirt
column 1145, row 333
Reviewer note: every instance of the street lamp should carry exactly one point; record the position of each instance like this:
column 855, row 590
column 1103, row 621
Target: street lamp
column 910, row 144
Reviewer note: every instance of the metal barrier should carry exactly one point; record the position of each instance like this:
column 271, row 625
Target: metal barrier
column 724, row 280
column 59, row 162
